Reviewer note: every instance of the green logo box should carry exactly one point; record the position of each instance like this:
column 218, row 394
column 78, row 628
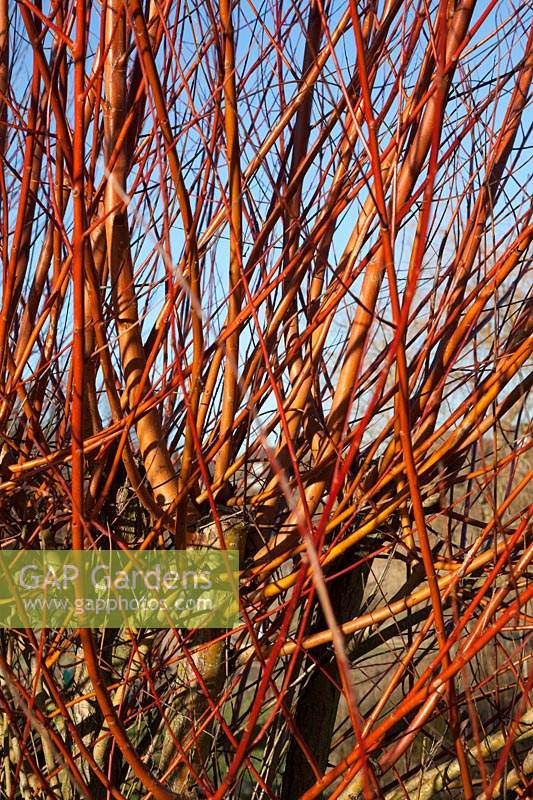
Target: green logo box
column 115, row 588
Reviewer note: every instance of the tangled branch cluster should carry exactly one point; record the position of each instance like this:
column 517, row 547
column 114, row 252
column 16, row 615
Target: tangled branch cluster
column 265, row 285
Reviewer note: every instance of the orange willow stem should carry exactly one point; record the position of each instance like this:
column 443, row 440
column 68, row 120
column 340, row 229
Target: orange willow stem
column 170, row 488
column 157, row 461
column 231, row 122
column 78, row 280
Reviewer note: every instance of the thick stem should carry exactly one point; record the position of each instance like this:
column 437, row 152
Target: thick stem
column 231, row 122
